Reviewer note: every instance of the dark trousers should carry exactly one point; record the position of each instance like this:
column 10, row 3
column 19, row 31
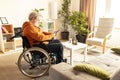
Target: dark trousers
column 55, row 47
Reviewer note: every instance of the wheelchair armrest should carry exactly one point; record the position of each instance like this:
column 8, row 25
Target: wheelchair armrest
column 40, row 42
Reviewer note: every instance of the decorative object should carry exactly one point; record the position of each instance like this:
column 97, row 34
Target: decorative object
column 93, row 70
column 70, row 40
column 4, row 39
column 4, row 30
column 74, row 42
column 64, row 14
column 9, row 28
column 3, row 20
column 78, row 22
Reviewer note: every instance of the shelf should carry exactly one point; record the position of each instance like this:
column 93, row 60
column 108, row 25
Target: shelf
column 8, row 42
column 5, row 41
column 10, row 45
column 6, row 34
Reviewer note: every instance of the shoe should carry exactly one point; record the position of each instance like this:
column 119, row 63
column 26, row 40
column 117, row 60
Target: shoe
column 32, row 67
column 65, row 60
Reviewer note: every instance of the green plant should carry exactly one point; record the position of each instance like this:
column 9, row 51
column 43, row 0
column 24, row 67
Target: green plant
column 79, row 23
column 38, row 10
column 64, row 13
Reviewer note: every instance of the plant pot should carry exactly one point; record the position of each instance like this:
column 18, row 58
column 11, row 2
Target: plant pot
column 65, row 35
column 81, row 38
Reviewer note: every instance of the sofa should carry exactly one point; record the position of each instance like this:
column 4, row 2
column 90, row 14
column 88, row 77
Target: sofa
column 109, row 61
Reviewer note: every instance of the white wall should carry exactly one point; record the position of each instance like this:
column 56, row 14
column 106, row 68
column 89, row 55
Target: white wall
column 75, row 5
column 17, row 11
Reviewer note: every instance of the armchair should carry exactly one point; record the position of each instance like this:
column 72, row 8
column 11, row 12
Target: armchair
column 103, row 32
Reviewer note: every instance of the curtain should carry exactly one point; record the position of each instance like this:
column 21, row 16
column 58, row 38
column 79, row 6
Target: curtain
column 89, row 7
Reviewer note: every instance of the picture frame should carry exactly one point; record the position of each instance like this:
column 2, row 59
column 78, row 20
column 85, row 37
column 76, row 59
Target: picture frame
column 3, row 20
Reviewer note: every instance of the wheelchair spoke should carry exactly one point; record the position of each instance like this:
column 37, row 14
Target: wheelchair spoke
column 28, row 58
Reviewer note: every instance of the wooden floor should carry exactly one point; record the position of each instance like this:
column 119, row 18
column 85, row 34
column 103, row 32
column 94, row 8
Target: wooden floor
column 9, row 69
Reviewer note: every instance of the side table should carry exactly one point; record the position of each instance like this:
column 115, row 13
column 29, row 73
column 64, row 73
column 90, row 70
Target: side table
column 72, row 47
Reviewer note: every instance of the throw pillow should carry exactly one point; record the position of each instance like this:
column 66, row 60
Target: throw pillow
column 93, row 70
column 116, row 75
column 116, row 50
column 4, row 30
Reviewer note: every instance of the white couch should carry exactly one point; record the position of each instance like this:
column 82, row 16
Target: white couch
column 64, row 71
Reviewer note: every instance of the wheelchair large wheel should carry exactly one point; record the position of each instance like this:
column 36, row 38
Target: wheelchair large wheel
column 34, row 62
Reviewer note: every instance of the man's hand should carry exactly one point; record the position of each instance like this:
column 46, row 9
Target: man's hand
column 55, row 32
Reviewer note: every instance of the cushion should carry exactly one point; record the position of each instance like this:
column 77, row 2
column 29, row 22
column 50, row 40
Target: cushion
column 116, row 50
column 93, row 70
column 116, row 75
column 95, row 41
column 4, row 30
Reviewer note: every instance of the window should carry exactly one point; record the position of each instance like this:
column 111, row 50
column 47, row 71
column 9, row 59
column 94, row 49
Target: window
column 108, row 8
column 115, row 12
column 100, row 10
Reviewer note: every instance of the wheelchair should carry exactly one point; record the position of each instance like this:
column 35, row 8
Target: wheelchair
column 35, row 61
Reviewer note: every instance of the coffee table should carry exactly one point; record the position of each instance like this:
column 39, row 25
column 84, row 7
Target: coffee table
column 72, row 48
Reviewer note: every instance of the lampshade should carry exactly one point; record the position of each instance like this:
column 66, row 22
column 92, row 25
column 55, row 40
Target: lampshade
column 53, row 10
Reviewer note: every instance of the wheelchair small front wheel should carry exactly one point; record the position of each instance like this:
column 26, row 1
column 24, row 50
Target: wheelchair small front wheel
column 34, row 62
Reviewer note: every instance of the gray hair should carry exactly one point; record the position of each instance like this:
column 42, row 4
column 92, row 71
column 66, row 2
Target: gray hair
column 33, row 15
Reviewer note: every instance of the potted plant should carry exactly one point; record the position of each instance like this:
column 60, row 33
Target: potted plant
column 64, row 13
column 79, row 23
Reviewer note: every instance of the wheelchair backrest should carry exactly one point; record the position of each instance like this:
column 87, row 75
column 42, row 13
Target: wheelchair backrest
column 25, row 42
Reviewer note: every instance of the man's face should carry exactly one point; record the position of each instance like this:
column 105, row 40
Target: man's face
column 36, row 21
